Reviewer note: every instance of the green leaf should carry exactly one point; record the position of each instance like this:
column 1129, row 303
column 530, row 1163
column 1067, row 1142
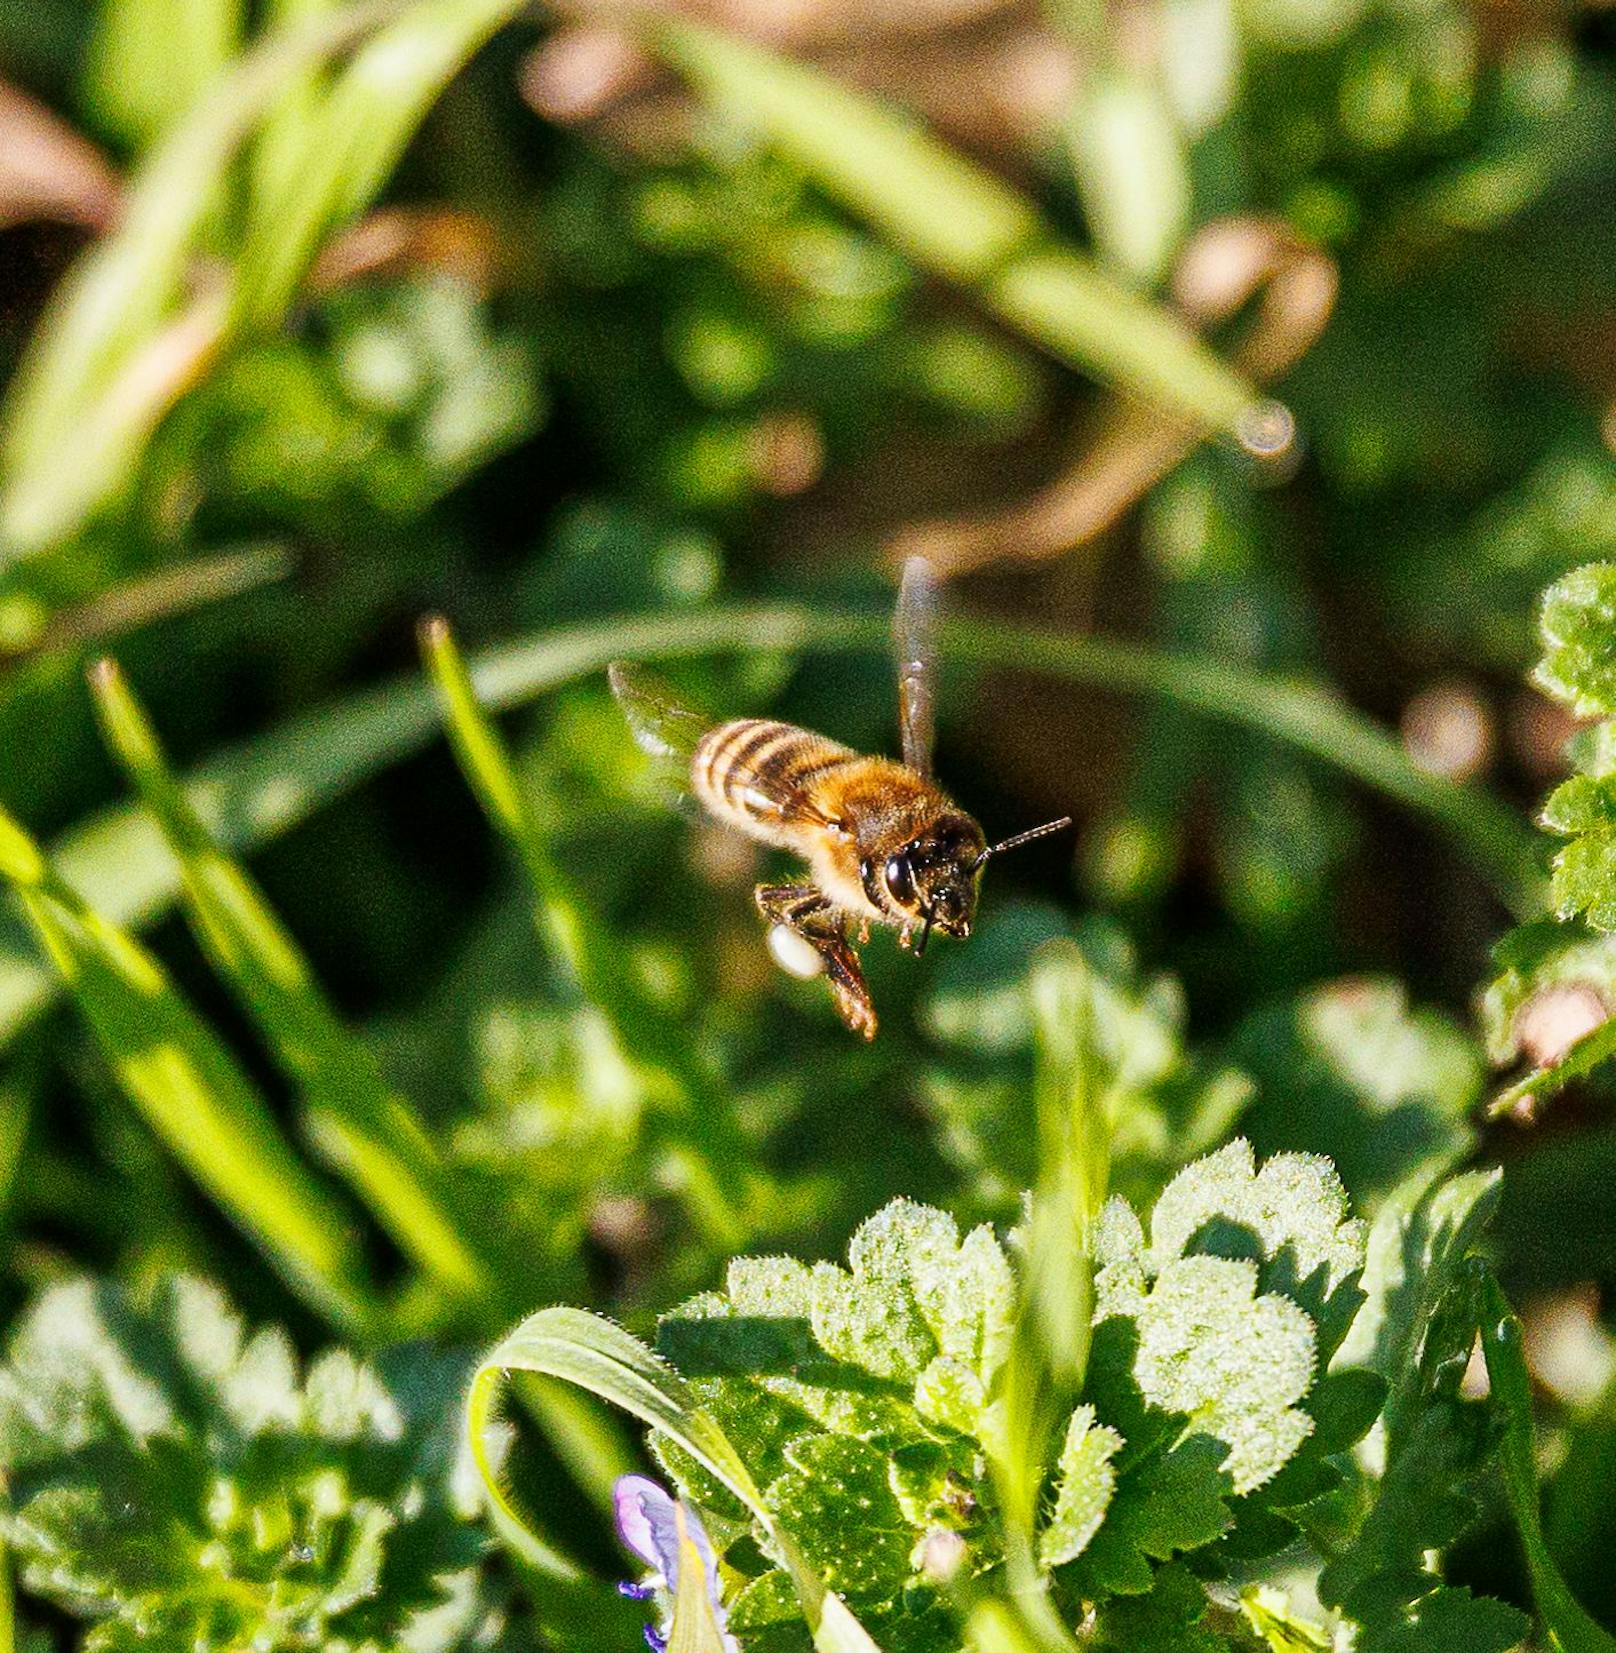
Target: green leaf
column 146, row 66
column 586, row 1350
column 1578, row 624
column 125, row 346
column 1171, row 1501
column 1270, row 1615
column 181, row 1483
column 704, row 1148
column 1167, row 1620
column 958, row 220
column 102, row 370
column 351, row 141
column 188, row 1086
column 1234, row 1362
column 1353, row 1070
column 1569, row 1626
column 1085, row 1480
column 1544, row 966
column 1550, row 1001
column 861, row 1394
column 1132, row 170
column 1418, row 1330
column 837, row 1499
column 1583, row 809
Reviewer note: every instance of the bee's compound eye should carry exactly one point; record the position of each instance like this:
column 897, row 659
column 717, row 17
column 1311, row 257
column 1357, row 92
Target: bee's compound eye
column 900, row 879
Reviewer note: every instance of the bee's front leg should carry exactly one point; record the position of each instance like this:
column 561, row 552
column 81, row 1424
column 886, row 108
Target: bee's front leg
column 806, row 912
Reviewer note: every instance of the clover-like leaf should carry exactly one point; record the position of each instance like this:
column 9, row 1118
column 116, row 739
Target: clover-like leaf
column 174, row 1479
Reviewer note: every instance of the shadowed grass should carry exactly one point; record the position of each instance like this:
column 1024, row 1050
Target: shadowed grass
column 360, row 1125
column 189, row 1087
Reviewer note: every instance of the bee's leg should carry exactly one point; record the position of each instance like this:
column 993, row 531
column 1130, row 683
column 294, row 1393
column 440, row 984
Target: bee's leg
column 806, row 912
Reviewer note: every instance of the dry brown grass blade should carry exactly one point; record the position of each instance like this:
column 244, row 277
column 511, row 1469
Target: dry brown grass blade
column 1230, row 264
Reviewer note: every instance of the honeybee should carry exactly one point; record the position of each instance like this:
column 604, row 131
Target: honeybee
column 883, row 842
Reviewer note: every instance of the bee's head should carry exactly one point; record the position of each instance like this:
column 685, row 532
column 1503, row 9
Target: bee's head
column 933, row 878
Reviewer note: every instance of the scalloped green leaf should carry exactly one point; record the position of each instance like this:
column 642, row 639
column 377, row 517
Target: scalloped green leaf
column 183, row 1483
column 1578, row 624
column 1084, row 1482
column 837, row 1498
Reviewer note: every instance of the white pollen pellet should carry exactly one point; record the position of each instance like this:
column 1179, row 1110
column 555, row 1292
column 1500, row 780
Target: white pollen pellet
column 794, row 955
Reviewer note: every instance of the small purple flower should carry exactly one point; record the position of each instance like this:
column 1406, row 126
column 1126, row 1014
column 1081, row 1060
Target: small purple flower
column 648, row 1525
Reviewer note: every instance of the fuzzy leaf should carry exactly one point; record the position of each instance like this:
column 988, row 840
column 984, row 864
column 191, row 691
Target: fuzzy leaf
column 1583, row 809
column 1170, row 1502
column 179, row 1482
column 1085, row 1480
column 1578, row 622
column 1231, row 1360
column 838, row 1501
column 1295, row 1202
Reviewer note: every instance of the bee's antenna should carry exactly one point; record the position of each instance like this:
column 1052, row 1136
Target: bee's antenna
column 925, row 935
column 1023, row 838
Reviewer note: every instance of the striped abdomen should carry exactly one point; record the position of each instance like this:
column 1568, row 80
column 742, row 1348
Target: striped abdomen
column 754, row 774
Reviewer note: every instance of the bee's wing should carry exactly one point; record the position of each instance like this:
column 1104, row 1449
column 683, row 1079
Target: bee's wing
column 670, row 732
column 660, row 724
column 914, row 639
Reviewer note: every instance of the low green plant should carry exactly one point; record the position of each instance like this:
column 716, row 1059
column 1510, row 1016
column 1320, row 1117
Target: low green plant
column 853, row 1422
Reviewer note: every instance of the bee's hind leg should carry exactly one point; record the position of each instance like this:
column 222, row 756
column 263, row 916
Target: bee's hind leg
column 805, row 912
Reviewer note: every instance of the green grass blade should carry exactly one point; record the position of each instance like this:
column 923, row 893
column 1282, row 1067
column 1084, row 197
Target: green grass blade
column 148, row 64
column 959, row 221
column 8, row 1617
column 1570, row 1629
column 596, row 1355
column 18, row 1088
column 365, row 1130
column 353, row 138
column 701, row 1140
column 188, row 1086
column 695, row 1626
column 1049, row 1350
column 282, row 138
column 179, row 589
column 251, row 793
column 119, row 297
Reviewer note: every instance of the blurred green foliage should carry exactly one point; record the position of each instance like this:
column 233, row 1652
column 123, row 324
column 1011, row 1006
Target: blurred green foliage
column 311, row 326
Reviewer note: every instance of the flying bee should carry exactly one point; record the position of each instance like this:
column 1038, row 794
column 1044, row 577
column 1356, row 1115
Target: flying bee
column 883, row 842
